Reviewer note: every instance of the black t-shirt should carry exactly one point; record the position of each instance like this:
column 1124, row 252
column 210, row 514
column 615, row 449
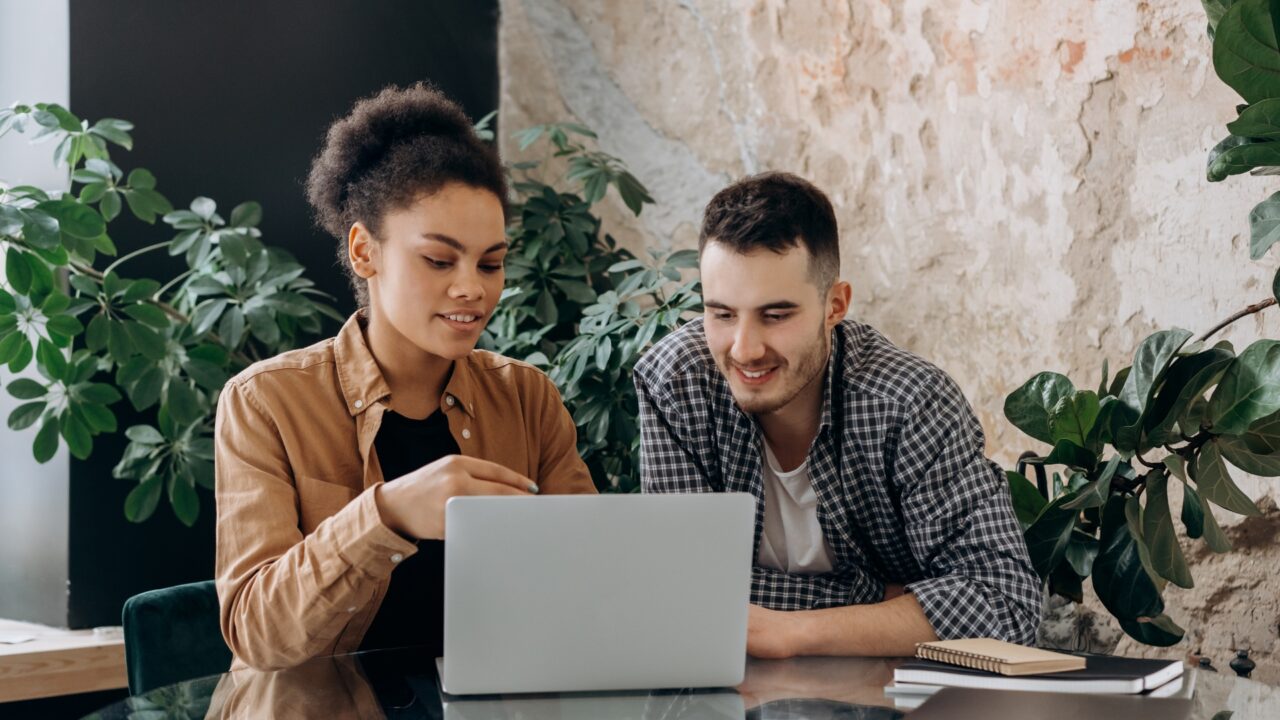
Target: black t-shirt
column 412, row 613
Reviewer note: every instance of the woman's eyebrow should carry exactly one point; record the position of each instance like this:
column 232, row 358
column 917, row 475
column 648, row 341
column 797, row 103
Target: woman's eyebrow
column 456, row 245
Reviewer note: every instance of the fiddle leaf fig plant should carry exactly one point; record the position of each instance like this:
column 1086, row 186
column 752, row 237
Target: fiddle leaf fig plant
column 1181, row 419
column 99, row 335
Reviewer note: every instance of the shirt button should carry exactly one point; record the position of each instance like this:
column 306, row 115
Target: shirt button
column 359, row 404
column 351, row 609
column 466, row 434
column 448, row 400
column 397, row 558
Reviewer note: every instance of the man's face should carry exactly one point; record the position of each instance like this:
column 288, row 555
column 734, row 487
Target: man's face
column 437, row 269
column 768, row 326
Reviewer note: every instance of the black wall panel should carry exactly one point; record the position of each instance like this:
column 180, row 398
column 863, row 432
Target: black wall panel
column 231, row 99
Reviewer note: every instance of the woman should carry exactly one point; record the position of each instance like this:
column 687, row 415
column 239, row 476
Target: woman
column 334, row 462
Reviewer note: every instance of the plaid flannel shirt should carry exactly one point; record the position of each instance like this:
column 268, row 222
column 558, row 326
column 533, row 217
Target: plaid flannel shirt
column 904, row 492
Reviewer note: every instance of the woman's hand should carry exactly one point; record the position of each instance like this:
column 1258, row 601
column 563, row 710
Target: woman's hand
column 413, row 505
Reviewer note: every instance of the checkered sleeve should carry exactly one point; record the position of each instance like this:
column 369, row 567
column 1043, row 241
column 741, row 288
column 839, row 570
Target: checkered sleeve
column 778, row 590
column 670, row 460
column 979, row 580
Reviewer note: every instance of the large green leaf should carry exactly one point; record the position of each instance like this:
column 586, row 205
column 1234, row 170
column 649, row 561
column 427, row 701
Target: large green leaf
column 26, row 415
column 1244, row 51
column 1119, row 578
column 1257, row 451
column 1082, row 550
column 1133, row 516
column 79, row 439
column 1235, row 155
column 1095, row 494
column 182, row 495
column 1192, row 511
column 183, row 402
column 1264, row 224
column 27, row 389
column 75, row 219
column 1029, row 407
column 1213, row 535
column 1186, row 379
column 1259, row 120
column 1068, row 453
column 1027, row 500
column 1149, row 363
column 1263, row 436
column 17, row 270
column 1065, row 582
column 1073, row 416
column 1238, row 453
column 1214, row 483
column 1248, row 391
column 142, row 500
column 1160, row 631
column 1162, row 540
column 46, row 442
column 144, row 340
column 1048, row 536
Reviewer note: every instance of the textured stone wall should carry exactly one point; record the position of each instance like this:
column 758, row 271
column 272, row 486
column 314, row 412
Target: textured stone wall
column 1020, row 186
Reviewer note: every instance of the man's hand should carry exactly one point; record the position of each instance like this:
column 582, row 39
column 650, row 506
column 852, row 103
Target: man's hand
column 771, row 633
column 413, row 505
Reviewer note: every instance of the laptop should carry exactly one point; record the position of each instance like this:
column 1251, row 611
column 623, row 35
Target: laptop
column 579, row 593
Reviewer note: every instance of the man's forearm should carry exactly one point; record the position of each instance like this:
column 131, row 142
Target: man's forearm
column 885, row 629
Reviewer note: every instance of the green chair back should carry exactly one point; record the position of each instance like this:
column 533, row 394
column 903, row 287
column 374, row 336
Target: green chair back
column 171, row 635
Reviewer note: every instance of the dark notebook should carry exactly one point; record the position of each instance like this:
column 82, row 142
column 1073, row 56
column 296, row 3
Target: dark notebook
column 1102, row 674
column 962, row 703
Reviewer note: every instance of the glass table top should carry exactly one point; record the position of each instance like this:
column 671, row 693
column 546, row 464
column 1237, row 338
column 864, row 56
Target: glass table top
column 401, row 684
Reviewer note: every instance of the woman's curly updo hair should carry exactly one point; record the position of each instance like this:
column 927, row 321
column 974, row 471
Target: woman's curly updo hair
column 393, row 148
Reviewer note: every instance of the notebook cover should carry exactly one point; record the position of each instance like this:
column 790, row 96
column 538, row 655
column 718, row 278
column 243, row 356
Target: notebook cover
column 1132, row 675
column 1005, row 652
column 993, row 655
column 963, row 703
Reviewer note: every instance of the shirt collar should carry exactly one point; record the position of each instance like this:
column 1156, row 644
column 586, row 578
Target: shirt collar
column 362, row 381
column 834, row 363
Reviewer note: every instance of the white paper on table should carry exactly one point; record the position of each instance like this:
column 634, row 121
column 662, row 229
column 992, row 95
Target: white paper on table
column 15, row 638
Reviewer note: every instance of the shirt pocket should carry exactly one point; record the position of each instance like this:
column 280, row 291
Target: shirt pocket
column 319, row 500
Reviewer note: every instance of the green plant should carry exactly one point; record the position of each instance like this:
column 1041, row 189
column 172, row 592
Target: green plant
column 167, row 346
column 1181, row 414
column 581, row 307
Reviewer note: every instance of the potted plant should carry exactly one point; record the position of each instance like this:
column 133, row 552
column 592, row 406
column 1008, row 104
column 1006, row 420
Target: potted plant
column 1177, row 420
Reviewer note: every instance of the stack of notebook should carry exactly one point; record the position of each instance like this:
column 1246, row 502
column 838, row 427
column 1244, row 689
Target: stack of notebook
column 992, row 664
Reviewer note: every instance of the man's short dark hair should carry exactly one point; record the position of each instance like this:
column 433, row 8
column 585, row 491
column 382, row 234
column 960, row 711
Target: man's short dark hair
column 776, row 211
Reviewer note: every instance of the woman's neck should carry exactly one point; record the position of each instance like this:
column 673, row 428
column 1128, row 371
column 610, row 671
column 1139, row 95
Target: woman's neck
column 415, row 377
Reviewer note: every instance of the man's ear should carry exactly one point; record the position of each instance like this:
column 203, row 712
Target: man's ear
column 362, row 251
column 838, row 299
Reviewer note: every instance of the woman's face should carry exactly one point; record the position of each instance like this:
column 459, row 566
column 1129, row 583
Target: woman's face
column 435, row 270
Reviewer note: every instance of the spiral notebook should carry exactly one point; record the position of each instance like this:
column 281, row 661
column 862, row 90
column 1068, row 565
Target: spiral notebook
column 997, row 656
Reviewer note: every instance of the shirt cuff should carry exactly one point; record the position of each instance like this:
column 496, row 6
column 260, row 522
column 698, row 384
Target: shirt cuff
column 366, row 542
column 954, row 608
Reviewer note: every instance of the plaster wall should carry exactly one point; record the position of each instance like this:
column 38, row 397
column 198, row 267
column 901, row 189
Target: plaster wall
column 1020, row 186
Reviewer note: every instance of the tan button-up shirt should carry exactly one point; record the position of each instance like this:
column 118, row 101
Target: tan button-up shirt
column 303, row 557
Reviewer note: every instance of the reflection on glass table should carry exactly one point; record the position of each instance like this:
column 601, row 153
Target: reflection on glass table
column 401, row 684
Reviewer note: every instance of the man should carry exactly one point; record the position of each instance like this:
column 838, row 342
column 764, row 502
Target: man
column 879, row 522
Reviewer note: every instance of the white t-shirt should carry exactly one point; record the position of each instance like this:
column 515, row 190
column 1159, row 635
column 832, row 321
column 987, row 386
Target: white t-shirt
column 792, row 539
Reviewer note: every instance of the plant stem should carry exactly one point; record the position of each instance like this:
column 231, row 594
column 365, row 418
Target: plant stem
column 85, row 270
column 1144, row 462
column 1256, row 307
column 164, row 288
column 134, row 254
column 1192, row 446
